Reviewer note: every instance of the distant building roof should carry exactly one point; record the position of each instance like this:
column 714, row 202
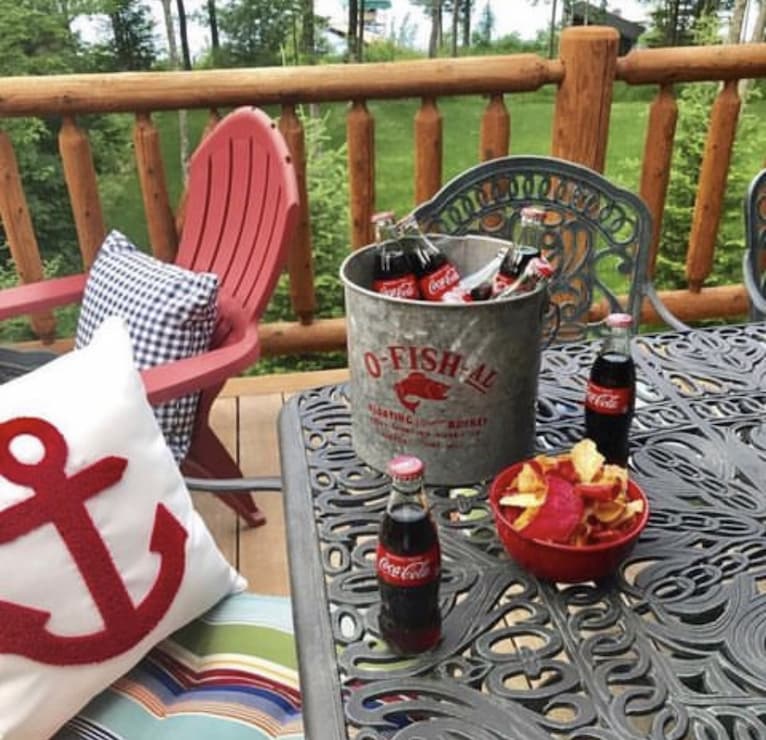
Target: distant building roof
column 596, row 15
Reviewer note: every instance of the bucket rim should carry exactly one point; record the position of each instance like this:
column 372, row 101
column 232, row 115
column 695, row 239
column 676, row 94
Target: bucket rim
column 473, row 305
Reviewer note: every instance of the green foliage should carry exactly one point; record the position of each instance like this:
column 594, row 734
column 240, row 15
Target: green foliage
column 256, row 32
column 36, row 39
column 132, row 37
column 18, row 329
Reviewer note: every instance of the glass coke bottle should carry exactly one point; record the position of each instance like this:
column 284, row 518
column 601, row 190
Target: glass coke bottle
column 408, row 563
column 610, row 396
column 393, row 274
column 527, row 247
column 436, row 275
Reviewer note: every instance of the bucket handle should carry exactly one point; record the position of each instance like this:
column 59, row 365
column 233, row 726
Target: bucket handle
column 554, row 309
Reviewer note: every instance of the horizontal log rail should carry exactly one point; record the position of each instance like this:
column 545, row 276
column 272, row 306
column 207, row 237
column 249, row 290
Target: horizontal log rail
column 584, row 75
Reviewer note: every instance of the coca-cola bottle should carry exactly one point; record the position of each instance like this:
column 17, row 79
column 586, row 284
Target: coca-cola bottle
column 435, row 273
column 611, row 392
column 408, row 563
column 527, row 247
column 393, row 273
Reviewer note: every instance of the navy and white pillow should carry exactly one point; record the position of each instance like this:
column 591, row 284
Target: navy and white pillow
column 170, row 313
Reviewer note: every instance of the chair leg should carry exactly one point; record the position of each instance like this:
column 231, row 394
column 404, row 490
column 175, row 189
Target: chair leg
column 208, row 458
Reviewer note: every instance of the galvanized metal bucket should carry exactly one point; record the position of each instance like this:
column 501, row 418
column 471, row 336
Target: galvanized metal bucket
column 454, row 384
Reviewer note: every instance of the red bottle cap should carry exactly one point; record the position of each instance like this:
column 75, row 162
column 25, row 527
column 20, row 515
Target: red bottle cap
column 619, row 320
column 406, row 467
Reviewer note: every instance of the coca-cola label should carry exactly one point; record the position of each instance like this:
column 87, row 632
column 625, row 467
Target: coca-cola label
column 409, row 571
column 401, row 287
column 610, row 401
column 433, row 286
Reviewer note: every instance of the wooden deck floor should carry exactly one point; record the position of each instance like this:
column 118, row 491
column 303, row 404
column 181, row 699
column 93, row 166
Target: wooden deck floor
column 245, row 418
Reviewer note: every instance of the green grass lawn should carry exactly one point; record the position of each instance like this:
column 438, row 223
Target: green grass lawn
column 531, row 117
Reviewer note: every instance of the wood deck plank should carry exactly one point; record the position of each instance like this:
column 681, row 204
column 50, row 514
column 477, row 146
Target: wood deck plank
column 262, row 551
column 245, row 418
column 220, row 519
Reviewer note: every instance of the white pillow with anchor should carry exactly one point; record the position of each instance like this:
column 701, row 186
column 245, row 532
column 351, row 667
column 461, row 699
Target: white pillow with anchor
column 101, row 552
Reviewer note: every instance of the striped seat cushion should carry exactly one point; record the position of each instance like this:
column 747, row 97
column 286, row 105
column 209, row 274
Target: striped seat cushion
column 230, row 674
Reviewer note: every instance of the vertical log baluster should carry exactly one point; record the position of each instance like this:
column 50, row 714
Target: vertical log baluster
column 428, row 150
column 495, row 134
column 20, row 233
column 584, row 98
column 80, row 177
column 360, row 133
column 300, row 264
column 658, row 154
column 151, row 175
column 712, row 185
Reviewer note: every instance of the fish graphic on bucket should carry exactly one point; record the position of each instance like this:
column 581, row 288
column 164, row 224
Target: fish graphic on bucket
column 453, row 383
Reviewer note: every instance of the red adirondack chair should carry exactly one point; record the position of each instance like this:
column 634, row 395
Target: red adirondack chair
column 240, row 213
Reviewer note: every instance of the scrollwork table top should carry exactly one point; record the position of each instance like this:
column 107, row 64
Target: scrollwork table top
column 673, row 646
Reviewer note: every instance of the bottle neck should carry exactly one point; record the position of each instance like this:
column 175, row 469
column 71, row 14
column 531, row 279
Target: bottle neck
column 531, row 233
column 409, row 492
column 618, row 341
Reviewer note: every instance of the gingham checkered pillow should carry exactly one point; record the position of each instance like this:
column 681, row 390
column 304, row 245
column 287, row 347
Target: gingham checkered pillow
column 170, row 313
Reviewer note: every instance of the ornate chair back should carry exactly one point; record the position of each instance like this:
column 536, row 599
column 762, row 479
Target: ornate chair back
column 754, row 258
column 597, row 234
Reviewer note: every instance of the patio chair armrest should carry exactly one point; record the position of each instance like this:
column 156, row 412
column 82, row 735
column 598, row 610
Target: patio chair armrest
column 662, row 310
column 42, row 295
column 757, row 299
column 234, row 485
column 192, row 374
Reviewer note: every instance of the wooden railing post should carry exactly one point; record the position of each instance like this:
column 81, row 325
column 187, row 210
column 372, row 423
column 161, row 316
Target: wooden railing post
column 80, row 177
column 20, row 233
column 428, row 150
column 151, row 175
column 584, row 98
column 712, row 185
column 495, row 133
column 658, row 155
column 300, row 264
column 360, row 133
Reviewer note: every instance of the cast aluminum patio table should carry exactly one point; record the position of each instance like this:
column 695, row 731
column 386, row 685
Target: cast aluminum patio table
column 673, row 646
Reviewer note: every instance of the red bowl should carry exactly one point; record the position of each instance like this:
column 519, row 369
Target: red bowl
column 555, row 562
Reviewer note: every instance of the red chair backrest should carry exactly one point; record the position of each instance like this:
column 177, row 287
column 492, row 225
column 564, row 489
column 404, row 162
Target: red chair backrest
column 241, row 207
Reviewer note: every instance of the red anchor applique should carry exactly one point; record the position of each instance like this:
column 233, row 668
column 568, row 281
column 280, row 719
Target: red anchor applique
column 59, row 499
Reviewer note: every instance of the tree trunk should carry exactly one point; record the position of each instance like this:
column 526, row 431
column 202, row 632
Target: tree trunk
column 184, row 35
column 455, row 25
column 552, row 32
column 307, row 30
column 434, row 40
column 183, row 129
column 737, row 18
column 353, row 25
column 467, row 7
column 360, row 34
column 755, row 38
column 215, row 43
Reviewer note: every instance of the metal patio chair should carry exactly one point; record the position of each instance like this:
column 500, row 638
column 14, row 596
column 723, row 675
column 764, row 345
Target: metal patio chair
column 597, row 235
column 754, row 258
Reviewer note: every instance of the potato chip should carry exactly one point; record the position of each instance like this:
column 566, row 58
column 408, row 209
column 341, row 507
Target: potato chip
column 573, row 498
column 530, row 480
column 523, row 500
column 587, row 460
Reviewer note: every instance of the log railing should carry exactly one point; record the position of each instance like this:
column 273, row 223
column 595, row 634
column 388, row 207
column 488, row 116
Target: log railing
column 584, row 73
